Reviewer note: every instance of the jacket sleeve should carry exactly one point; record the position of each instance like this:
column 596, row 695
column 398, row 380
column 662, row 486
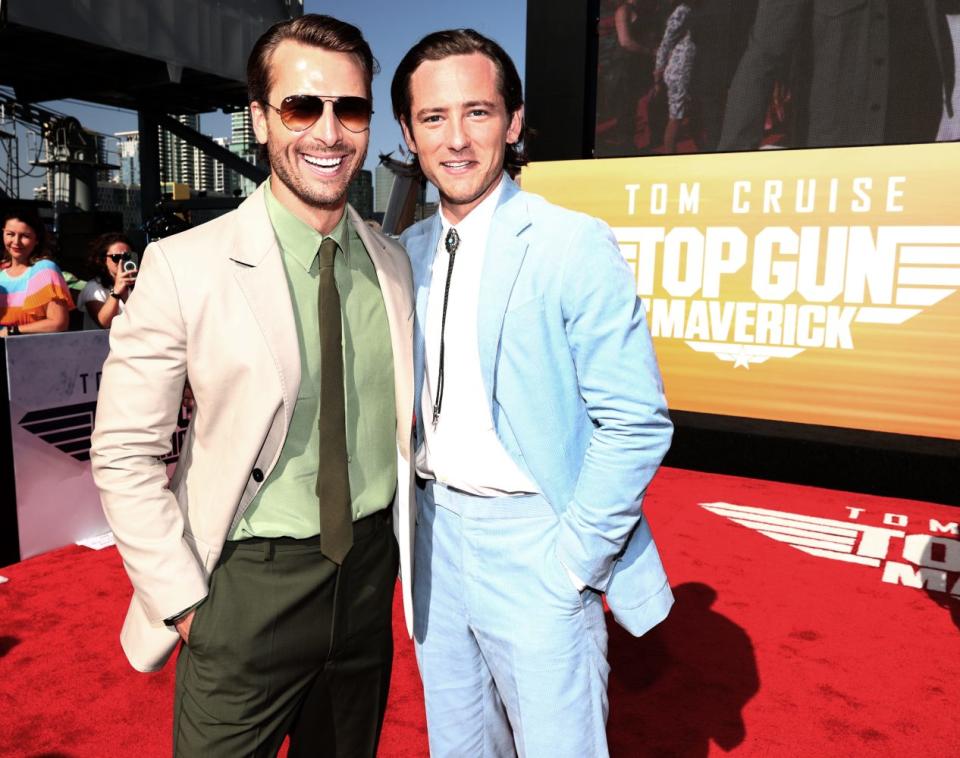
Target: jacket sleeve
column 771, row 44
column 620, row 384
column 138, row 403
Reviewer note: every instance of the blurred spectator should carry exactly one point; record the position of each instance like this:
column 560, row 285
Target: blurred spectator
column 109, row 287
column 879, row 72
column 950, row 119
column 719, row 31
column 630, row 69
column 674, row 68
column 34, row 297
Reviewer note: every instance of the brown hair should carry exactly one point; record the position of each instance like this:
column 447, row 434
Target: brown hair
column 310, row 29
column 440, row 45
column 31, row 219
column 97, row 252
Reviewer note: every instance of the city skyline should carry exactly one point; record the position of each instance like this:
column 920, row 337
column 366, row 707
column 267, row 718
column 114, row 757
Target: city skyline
column 391, row 28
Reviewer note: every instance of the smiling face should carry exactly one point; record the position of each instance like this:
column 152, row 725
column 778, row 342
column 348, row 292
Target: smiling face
column 19, row 241
column 459, row 128
column 311, row 169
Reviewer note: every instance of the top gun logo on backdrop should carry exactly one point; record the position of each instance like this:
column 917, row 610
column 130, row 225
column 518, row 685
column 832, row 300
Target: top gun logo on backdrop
column 786, row 287
column 69, row 427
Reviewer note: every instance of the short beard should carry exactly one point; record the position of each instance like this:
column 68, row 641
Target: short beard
column 292, row 182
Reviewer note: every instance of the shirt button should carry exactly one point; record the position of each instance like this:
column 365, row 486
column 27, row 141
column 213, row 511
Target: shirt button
column 349, row 459
column 257, row 475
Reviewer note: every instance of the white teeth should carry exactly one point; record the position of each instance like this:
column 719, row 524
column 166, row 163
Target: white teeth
column 323, row 162
column 460, row 164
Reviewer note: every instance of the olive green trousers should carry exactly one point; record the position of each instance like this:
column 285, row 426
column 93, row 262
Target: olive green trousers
column 287, row 643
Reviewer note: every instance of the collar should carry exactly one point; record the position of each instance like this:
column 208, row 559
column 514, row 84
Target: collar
column 476, row 223
column 298, row 239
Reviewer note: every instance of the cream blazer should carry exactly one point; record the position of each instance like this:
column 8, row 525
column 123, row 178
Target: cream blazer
column 212, row 304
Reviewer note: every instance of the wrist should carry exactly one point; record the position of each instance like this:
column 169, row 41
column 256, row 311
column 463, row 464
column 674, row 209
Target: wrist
column 12, row 330
column 114, row 293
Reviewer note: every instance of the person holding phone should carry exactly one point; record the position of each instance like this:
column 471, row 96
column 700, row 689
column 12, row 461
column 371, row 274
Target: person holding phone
column 114, row 273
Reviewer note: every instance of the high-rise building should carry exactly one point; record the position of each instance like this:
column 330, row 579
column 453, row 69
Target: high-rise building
column 360, row 194
column 243, row 143
column 383, row 183
column 241, row 131
column 219, row 171
column 103, row 158
column 176, row 155
column 128, row 146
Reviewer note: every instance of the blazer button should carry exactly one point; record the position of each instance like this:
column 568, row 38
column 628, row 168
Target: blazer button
column 257, row 475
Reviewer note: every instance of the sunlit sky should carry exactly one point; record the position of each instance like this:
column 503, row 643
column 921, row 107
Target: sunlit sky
column 390, row 26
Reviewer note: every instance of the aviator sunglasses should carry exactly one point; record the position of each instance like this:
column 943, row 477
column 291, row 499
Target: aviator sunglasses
column 300, row 112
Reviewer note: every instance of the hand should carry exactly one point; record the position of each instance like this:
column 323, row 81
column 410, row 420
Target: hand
column 187, row 400
column 123, row 282
column 183, row 626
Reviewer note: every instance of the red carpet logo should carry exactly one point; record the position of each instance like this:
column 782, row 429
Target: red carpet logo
column 928, row 562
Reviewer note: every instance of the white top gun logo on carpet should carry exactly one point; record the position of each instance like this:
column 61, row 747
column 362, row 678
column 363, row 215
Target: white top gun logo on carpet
column 928, row 562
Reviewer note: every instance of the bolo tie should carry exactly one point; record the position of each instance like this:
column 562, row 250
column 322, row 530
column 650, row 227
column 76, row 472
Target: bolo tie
column 451, row 243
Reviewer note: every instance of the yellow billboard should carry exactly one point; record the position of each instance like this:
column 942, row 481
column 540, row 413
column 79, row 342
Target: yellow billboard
column 815, row 286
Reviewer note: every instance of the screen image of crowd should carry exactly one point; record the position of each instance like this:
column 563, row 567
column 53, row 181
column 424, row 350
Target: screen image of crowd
column 689, row 76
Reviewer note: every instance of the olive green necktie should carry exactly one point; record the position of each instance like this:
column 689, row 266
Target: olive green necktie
column 333, row 483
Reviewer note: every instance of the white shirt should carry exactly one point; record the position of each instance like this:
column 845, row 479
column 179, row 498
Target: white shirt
column 93, row 291
column 462, row 450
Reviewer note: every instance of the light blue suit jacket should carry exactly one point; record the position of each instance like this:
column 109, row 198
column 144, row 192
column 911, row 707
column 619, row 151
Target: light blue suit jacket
column 573, row 387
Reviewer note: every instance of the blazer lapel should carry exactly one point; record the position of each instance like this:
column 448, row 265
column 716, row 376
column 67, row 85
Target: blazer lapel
column 260, row 276
column 504, row 256
column 395, row 289
column 422, row 251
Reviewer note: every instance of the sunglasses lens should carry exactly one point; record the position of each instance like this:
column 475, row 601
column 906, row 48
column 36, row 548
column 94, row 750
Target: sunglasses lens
column 353, row 112
column 299, row 112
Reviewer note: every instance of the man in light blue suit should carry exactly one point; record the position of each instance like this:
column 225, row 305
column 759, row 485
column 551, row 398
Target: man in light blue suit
column 540, row 422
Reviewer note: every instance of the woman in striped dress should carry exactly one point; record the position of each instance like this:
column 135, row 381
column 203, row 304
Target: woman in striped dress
column 34, row 297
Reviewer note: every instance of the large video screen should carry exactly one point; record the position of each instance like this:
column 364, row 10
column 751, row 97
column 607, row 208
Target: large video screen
column 688, row 76
column 813, row 287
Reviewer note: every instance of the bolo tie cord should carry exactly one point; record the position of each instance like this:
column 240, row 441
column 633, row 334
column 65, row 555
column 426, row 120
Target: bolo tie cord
column 451, row 243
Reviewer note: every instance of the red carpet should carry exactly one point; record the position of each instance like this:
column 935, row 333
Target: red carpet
column 769, row 651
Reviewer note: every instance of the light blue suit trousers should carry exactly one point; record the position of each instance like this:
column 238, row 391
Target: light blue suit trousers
column 513, row 658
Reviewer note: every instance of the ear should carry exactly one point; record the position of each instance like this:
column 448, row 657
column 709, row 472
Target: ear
column 259, row 119
column 516, row 126
column 408, row 136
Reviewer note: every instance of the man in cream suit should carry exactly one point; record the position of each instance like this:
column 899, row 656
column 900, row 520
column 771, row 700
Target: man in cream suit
column 270, row 553
column 541, row 420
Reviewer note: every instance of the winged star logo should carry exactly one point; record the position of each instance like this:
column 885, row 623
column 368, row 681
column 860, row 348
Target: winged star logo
column 937, row 559
column 822, row 537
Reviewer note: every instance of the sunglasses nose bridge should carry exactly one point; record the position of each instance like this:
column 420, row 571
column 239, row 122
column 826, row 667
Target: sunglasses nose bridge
column 327, row 127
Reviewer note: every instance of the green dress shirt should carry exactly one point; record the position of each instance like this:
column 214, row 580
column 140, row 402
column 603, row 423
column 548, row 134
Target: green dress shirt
column 286, row 505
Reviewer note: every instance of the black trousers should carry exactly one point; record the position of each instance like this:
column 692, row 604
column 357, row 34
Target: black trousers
column 288, row 643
